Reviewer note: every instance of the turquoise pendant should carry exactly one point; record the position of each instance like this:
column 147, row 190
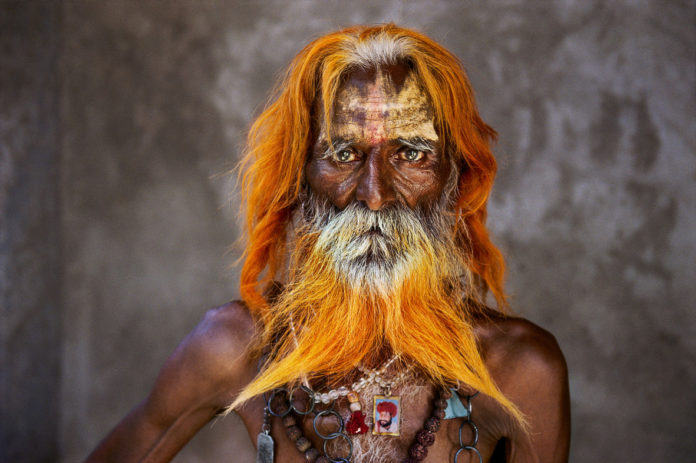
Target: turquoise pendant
column 455, row 407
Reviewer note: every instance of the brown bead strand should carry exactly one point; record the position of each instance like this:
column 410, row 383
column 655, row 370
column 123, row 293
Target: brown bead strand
column 302, row 444
column 426, row 436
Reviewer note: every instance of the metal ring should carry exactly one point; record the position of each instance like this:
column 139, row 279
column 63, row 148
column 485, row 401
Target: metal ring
column 350, row 448
column 334, row 434
column 471, row 449
column 469, row 407
column 474, row 428
column 270, row 400
column 310, row 400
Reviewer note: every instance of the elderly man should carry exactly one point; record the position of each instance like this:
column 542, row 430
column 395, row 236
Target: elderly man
column 365, row 282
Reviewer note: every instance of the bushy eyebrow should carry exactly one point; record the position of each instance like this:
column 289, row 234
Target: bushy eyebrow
column 336, row 145
column 418, row 143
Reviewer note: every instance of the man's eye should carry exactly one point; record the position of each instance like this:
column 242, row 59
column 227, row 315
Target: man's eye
column 412, row 155
column 345, row 156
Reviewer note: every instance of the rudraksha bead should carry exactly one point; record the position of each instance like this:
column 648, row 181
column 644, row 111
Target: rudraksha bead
column 418, row 452
column 445, row 393
column 303, row 444
column 438, row 413
column 294, row 433
column 440, row 403
column 426, row 438
column 289, row 420
column 311, row 455
column 432, row 424
column 322, row 459
column 280, row 403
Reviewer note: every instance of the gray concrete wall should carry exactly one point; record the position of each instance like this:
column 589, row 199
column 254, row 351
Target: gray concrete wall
column 30, row 341
column 595, row 105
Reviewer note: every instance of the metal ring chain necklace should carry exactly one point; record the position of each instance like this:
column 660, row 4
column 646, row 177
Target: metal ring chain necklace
column 290, row 414
column 356, row 424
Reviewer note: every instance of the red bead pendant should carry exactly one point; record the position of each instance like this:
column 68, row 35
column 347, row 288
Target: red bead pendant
column 356, row 423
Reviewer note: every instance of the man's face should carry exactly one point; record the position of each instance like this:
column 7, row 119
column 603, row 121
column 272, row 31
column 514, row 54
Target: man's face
column 385, row 148
column 385, row 419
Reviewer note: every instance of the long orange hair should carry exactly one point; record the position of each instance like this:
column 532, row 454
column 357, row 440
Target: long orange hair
column 272, row 170
column 280, row 139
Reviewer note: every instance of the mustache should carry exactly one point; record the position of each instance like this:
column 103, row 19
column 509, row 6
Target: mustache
column 363, row 232
column 391, row 224
column 373, row 249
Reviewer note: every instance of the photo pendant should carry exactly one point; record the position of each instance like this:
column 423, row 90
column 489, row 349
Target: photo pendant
column 386, row 415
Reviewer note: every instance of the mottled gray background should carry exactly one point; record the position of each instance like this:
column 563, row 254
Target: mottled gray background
column 116, row 118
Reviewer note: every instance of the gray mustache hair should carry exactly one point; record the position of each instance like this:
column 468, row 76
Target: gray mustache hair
column 375, row 249
column 357, row 219
column 382, row 233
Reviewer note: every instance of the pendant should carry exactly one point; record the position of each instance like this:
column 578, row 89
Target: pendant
column 455, row 407
column 264, row 448
column 356, row 423
column 386, row 415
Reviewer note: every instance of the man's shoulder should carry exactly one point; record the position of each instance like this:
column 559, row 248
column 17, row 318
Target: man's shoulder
column 232, row 318
column 527, row 364
column 518, row 351
column 225, row 331
column 217, row 349
column 208, row 367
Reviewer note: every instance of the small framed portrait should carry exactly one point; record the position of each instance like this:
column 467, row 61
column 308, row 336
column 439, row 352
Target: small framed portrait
column 386, row 416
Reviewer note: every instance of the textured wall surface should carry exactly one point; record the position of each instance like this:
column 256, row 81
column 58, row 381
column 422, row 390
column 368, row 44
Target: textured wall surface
column 595, row 105
column 146, row 233
column 29, row 232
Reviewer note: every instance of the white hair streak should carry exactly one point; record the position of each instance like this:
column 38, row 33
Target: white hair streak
column 380, row 50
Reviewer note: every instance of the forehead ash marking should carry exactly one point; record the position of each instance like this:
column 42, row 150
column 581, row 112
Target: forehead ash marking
column 379, row 111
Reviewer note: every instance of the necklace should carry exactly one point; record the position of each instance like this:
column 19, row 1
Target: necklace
column 418, row 450
column 285, row 408
column 388, row 404
column 369, row 377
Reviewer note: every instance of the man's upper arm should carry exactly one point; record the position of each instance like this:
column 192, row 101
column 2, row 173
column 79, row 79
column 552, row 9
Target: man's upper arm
column 203, row 375
column 535, row 378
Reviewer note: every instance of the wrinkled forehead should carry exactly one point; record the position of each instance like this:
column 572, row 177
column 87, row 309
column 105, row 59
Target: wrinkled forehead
column 382, row 104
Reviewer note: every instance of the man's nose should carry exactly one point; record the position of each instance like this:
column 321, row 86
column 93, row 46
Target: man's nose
column 375, row 187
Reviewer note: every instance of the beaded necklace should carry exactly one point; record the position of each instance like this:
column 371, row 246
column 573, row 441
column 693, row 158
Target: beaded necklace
column 284, row 408
column 369, row 376
column 357, row 423
column 418, row 451
column 446, row 405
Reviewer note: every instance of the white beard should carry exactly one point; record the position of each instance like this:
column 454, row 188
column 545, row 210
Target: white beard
column 376, row 251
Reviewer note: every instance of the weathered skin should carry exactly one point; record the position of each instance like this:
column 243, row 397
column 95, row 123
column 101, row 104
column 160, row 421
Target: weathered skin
column 208, row 368
column 375, row 112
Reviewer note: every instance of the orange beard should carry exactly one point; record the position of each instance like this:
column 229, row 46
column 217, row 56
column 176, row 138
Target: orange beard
column 362, row 283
